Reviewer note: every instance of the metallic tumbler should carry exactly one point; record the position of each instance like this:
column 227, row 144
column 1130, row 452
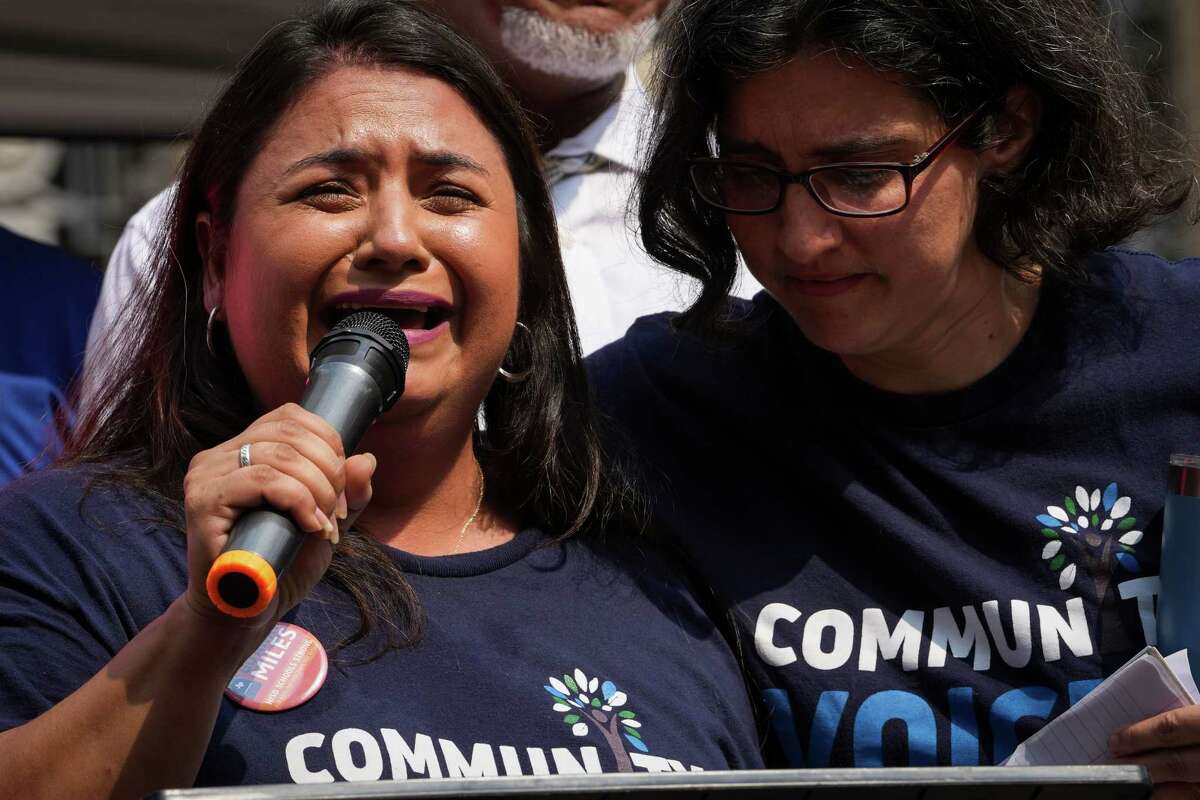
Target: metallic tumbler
column 1178, row 598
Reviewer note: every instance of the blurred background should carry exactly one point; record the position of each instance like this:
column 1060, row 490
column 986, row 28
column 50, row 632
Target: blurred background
column 98, row 98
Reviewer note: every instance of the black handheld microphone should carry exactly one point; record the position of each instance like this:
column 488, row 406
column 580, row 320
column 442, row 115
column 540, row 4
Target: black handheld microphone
column 356, row 373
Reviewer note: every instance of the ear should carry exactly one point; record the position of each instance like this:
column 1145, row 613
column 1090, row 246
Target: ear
column 212, row 258
column 1016, row 128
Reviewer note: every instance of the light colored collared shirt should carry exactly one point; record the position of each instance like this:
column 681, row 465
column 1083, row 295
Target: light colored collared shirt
column 612, row 279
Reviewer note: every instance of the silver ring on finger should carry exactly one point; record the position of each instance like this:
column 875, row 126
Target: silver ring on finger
column 244, row 455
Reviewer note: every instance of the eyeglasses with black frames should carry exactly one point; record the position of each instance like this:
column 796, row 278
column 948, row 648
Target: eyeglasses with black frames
column 848, row 189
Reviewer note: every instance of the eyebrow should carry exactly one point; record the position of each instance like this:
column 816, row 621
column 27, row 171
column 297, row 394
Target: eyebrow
column 860, row 144
column 329, row 158
column 343, row 156
column 446, row 158
column 737, row 147
column 838, row 151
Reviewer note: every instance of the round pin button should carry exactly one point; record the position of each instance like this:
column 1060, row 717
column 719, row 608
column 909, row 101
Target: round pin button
column 287, row 669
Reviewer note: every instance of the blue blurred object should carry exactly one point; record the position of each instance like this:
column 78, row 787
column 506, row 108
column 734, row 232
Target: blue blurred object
column 48, row 299
column 1178, row 609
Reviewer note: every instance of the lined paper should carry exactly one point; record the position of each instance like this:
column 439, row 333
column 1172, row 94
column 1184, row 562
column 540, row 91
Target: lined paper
column 1144, row 686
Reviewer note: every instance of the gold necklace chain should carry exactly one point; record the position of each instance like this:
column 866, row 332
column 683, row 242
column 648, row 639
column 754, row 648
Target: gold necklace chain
column 478, row 504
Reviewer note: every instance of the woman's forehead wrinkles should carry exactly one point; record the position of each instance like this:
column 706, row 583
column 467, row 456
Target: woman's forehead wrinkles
column 810, row 125
column 337, row 123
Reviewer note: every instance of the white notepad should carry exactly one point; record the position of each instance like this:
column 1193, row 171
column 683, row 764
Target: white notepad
column 1146, row 685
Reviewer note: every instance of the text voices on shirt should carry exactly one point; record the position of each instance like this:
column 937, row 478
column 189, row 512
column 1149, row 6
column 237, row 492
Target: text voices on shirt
column 779, row 626
column 358, row 755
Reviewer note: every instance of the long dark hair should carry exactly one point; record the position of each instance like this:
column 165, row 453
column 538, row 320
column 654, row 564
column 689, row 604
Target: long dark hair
column 168, row 396
column 1102, row 165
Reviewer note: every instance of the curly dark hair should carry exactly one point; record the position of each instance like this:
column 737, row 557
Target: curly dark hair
column 167, row 396
column 1102, row 165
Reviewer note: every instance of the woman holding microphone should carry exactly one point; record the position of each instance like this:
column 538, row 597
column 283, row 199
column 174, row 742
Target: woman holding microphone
column 452, row 612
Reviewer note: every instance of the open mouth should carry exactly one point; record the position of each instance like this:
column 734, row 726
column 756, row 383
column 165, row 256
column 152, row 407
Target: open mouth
column 409, row 318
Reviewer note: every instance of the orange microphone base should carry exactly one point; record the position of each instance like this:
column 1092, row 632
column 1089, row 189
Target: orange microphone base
column 241, row 583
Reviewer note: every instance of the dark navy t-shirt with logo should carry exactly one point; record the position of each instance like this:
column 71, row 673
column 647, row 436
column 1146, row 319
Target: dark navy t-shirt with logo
column 538, row 658
column 924, row 580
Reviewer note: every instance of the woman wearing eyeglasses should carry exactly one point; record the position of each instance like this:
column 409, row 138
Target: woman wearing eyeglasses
column 925, row 469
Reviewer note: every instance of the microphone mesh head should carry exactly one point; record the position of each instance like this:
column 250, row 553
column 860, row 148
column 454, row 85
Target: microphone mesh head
column 382, row 326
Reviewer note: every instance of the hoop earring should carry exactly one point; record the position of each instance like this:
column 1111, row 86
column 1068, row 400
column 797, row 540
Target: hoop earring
column 523, row 375
column 212, row 315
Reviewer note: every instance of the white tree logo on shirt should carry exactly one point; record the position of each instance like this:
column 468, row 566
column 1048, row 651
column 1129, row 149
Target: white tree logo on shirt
column 575, row 697
column 1094, row 529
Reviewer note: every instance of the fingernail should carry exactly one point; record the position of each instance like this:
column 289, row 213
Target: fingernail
column 374, row 462
column 340, row 509
column 326, row 525
column 337, row 537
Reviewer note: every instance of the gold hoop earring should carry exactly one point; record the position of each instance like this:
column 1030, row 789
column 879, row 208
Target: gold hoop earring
column 522, row 375
column 212, row 315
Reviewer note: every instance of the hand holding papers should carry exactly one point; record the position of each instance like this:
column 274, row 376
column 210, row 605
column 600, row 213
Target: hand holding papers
column 1145, row 686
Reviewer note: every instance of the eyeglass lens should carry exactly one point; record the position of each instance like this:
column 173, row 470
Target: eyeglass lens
column 737, row 187
column 860, row 190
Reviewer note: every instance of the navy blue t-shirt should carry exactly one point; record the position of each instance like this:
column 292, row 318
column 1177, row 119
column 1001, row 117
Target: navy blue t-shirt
column 924, row 580
column 537, row 658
